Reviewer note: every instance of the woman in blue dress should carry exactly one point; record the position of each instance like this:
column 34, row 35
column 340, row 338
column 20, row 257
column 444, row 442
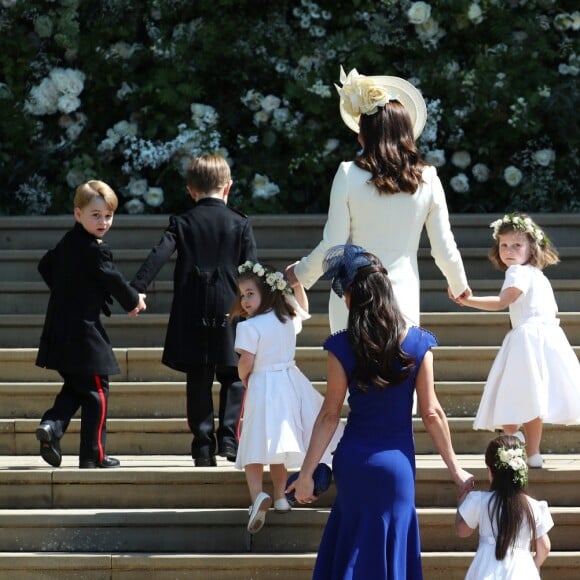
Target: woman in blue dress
column 373, row 531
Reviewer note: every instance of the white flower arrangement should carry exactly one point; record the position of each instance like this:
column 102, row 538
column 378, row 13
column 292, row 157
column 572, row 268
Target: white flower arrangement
column 361, row 95
column 522, row 224
column 513, row 458
column 275, row 280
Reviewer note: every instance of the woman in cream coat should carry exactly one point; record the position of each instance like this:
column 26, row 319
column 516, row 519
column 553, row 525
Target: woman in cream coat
column 391, row 114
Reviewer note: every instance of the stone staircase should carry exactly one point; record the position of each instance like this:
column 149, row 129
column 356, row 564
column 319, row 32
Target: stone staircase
column 159, row 517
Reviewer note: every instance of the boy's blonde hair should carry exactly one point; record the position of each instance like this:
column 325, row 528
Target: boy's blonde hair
column 208, row 173
column 86, row 192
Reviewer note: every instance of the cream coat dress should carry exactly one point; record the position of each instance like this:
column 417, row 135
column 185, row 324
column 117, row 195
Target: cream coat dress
column 390, row 227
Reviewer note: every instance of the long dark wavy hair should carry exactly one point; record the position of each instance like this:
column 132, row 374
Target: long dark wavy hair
column 509, row 507
column 376, row 328
column 389, row 153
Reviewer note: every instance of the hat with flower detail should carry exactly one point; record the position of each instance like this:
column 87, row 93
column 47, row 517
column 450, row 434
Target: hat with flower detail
column 362, row 95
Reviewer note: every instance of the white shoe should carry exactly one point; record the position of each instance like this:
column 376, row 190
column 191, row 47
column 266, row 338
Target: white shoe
column 520, row 436
column 282, row 506
column 535, row 460
column 258, row 512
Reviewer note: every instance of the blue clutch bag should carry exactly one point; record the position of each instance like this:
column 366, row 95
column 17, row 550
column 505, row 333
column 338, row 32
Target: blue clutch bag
column 322, row 477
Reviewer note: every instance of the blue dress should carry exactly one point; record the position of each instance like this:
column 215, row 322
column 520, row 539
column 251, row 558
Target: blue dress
column 373, row 530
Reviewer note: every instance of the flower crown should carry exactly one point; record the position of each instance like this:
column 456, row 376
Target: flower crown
column 362, row 95
column 513, row 458
column 522, row 224
column 275, row 280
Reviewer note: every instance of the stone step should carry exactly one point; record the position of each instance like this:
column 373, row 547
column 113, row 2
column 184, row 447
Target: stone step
column 20, row 265
column 30, row 483
column 188, row 566
column 132, row 400
column 30, row 298
column 452, row 363
column 462, row 328
column 171, row 436
column 272, row 231
column 219, row 530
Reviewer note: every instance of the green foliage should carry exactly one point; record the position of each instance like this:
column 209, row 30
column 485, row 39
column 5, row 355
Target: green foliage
column 127, row 91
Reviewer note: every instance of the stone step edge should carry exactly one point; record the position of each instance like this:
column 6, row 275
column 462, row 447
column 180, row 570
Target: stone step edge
column 179, row 425
column 124, row 561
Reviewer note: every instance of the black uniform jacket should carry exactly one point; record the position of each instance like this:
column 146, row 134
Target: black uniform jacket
column 81, row 276
column 211, row 240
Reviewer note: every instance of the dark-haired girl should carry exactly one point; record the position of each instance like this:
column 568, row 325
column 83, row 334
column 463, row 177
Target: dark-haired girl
column 281, row 404
column 513, row 527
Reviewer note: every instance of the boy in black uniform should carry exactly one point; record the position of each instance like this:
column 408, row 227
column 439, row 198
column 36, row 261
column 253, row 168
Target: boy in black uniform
column 82, row 277
column 211, row 240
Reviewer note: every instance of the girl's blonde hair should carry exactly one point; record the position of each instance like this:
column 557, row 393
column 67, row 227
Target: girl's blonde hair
column 270, row 299
column 86, row 192
column 542, row 252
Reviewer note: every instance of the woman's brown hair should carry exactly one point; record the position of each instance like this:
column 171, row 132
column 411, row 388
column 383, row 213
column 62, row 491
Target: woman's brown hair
column 389, row 153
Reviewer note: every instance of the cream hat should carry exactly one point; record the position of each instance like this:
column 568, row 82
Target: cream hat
column 360, row 94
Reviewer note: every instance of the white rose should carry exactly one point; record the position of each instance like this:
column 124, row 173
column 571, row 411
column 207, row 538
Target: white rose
column 475, row 14
column 68, row 81
column 154, row 196
column 436, row 157
column 270, row 102
column 481, row 172
column 460, row 183
column 419, row 12
column 261, row 117
column 503, row 456
column 428, row 30
column 281, row 285
column 137, row 187
column 512, row 176
column 461, row 159
column 68, row 103
column 43, row 99
column 134, row 206
column 544, row 157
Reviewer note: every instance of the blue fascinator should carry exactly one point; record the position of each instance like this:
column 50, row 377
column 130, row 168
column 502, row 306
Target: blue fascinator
column 341, row 264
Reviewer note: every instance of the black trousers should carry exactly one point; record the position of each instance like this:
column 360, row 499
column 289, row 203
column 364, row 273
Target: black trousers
column 90, row 393
column 200, row 411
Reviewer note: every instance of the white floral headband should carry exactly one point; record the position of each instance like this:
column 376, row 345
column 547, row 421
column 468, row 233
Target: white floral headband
column 522, row 224
column 513, row 458
column 275, row 280
column 362, row 95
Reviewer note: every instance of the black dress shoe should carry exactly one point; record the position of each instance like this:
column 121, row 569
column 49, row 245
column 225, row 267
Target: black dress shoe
column 105, row 463
column 230, row 452
column 49, row 445
column 205, row 461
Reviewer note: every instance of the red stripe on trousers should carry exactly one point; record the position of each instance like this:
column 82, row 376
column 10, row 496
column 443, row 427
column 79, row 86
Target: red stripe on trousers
column 103, row 418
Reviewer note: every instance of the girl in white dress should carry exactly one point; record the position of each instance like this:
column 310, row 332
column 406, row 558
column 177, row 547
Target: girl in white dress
column 535, row 377
column 510, row 522
column 281, row 404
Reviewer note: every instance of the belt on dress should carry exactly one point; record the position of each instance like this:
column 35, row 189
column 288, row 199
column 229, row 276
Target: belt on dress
column 490, row 540
column 275, row 367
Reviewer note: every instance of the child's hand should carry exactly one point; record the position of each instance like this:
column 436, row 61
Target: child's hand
column 292, row 279
column 140, row 306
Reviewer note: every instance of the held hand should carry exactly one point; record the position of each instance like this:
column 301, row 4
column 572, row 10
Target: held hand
column 292, row 279
column 140, row 306
column 465, row 483
column 467, row 293
column 303, row 489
